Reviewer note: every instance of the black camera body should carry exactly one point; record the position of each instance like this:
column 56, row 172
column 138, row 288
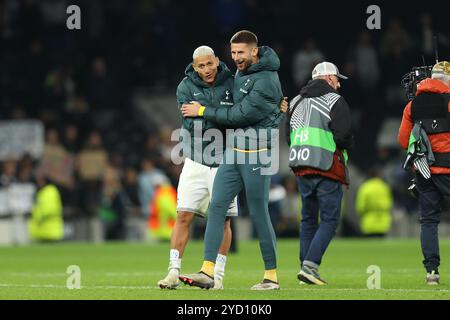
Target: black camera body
column 413, row 78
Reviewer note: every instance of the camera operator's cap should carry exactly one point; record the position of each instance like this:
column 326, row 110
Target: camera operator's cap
column 326, row 68
column 442, row 67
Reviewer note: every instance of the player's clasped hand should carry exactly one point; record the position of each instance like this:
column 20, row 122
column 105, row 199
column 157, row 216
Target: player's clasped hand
column 190, row 109
column 284, row 105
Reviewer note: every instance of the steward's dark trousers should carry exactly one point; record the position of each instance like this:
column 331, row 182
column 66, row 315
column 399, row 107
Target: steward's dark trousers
column 324, row 195
column 434, row 193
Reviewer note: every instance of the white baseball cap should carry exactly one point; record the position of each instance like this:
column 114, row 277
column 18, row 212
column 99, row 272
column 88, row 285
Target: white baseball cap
column 326, row 68
column 442, row 67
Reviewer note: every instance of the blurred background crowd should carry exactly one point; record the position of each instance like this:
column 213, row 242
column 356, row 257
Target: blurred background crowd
column 102, row 100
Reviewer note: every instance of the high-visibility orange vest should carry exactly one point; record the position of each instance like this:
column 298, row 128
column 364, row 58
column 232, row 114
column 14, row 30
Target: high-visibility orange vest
column 163, row 212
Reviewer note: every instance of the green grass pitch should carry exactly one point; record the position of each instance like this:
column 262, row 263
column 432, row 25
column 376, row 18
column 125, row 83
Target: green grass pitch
column 131, row 271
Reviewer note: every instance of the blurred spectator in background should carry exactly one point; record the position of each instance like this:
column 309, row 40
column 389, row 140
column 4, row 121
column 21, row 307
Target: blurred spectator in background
column 396, row 49
column 364, row 62
column 374, row 204
column 77, row 111
column 396, row 37
column 92, row 162
column 18, row 113
column 71, row 194
column 46, row 223
column 365, row 59
column 131, row 188
column 426, row 39
column 153, row 150
column 304, row 61
column 427, row 34
column 9, row 171
column 57, row 88
column 71, row 138
column 163, row 209
column 146, row 184
column 113, row 206
column 99, row 86
column 166, row 144
column 56, row 163
column 25, row 169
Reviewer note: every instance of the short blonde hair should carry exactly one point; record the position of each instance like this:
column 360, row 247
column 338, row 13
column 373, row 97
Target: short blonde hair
column 203, row 51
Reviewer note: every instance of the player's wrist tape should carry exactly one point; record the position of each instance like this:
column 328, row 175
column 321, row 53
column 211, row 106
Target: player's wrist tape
column 201, row 111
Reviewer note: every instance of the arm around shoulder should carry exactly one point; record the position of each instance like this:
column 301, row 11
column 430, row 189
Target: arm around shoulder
column 255, row 106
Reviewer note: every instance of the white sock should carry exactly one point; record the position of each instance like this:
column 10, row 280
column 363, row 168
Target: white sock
column 219, row 268
column 174, row 262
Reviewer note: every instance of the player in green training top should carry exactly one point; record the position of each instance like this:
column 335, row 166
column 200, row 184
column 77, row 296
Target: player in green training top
column 257, row 94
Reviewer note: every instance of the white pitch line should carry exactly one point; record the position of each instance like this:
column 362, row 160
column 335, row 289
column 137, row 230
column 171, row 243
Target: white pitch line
column 324, row 290
column 372, row 290
column 62, row 274
column 8, row 285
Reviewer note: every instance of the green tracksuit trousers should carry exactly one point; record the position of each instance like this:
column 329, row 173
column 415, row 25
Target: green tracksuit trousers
column 230, row 180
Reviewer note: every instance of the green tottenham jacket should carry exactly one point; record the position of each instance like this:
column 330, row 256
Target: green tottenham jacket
column 257, row 94
column 195, row 145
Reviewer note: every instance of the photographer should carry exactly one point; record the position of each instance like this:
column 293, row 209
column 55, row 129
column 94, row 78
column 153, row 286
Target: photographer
column 426, row 119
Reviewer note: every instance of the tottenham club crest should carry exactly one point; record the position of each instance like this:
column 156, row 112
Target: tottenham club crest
column 227, row 99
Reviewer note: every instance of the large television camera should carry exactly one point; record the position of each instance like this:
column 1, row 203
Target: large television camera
column 411, row 80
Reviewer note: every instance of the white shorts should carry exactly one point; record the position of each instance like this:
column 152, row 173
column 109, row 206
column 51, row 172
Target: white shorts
column 195, row 189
